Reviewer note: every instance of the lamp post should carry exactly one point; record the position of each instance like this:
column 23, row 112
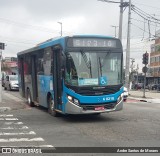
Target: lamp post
column 61, row 27
column 115, row 27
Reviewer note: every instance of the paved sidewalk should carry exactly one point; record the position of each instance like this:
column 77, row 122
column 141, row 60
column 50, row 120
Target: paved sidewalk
column 11, row 102
column 151, row 96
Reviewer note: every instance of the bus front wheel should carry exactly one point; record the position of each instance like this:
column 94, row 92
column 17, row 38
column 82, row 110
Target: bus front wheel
column 51, row 107
column 29, row 99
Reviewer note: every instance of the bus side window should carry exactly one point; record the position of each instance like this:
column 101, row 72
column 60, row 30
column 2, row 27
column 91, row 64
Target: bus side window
column 47, row 61
column 40, row 68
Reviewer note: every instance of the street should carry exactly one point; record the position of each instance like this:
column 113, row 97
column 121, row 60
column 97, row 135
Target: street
column 137, row 125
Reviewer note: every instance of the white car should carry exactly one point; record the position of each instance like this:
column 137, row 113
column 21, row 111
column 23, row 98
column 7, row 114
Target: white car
column 125, row 94
column 11, row 82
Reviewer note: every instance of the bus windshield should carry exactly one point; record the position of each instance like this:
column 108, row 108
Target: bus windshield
column 95, row 68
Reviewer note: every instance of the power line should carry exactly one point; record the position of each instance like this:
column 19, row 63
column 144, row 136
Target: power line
column 145, row 15
column 22, row 25
column 147, row 5
column 143, row 21
column 143, row 30
column 147, row 19
column 10, row 38
column 109, row 1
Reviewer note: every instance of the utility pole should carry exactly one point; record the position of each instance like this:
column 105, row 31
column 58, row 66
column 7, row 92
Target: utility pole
column 122, row 5
column 115, row 27
column 145, row 69
column 120, row 20
column 61, row 27
column 132, row 61
column 132, row 67
column 0, row 76
column 137, row 73
column 2, row 47
column 128, row 48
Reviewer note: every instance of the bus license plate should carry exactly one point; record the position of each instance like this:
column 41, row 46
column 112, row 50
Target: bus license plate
column 99, row 108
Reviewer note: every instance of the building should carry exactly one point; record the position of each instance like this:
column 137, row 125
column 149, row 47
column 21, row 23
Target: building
column 155, row 60
column 10, row 59
column 9, row 65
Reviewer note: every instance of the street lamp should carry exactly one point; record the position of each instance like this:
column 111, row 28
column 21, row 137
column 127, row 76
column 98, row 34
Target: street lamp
column 61, row 27
column 115, row 29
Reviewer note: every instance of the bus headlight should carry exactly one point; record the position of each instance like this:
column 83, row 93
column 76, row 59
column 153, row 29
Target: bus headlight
column 70, row 98
column 73, row 100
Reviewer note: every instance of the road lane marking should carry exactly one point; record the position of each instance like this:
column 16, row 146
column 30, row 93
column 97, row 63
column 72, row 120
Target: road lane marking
column 21, row 140
column 11, row 119
column 13, row 123
column 2, row 119
column 23, row 127
column 20, row 133
column 6, row 115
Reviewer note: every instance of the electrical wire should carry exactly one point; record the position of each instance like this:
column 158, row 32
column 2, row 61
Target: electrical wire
column 147, row 5
column 22, row 25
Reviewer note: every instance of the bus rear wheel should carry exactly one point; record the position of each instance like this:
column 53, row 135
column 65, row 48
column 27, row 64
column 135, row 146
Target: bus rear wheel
column 51, row 109
column 29, row 98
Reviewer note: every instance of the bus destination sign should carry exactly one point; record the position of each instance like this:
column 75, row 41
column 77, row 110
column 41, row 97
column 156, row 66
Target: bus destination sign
column 94, row 42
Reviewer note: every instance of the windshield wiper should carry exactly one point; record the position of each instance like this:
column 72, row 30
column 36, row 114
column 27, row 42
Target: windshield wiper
column 87, row 62
column 100, row 66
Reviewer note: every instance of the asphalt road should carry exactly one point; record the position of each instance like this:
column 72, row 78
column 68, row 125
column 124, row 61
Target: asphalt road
column 137, row 125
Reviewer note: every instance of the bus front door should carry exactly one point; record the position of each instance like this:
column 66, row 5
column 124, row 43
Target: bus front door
column 57, row 78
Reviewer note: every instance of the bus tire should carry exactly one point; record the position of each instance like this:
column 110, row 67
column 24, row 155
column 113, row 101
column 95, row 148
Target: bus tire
column 51, row 107
column 29, row 98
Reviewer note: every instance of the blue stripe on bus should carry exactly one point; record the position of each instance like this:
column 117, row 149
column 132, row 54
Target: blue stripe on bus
column 94, row 99
column 99, row 36
column 60, row 41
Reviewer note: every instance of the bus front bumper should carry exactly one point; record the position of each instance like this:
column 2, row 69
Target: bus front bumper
column 71, row 108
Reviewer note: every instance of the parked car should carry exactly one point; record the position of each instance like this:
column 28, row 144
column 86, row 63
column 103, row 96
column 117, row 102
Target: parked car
column 158, row 87
column 154, row 86
column 11, row 82
column 125, row 94
column 138, row 86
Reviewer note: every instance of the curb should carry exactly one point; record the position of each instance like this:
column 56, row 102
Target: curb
column 149, row 100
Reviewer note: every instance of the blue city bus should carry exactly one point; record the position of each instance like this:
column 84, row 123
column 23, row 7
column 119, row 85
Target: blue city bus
column 80, row 74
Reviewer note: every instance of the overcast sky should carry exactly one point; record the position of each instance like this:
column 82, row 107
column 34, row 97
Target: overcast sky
column 24, row 23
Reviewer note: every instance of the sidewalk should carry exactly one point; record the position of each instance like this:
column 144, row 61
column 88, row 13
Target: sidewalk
column 11, row 102
column 151, row 96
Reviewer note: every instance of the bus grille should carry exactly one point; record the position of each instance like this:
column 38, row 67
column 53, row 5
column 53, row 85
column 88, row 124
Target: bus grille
column 92, row 107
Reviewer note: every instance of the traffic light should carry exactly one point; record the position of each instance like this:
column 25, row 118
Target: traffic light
column 2, row 46
column 145, row 58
